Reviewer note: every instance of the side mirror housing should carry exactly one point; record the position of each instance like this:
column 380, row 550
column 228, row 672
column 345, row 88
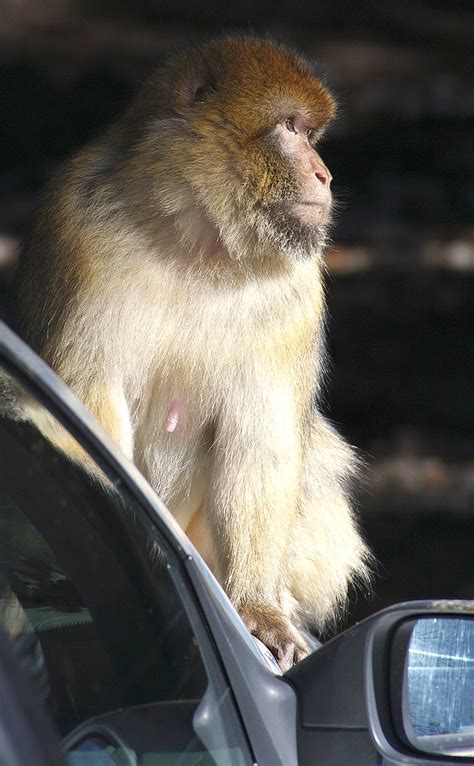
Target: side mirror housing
column 397, row 688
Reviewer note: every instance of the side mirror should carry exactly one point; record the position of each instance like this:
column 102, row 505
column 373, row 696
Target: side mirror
column 398, row 688
column 432, row 684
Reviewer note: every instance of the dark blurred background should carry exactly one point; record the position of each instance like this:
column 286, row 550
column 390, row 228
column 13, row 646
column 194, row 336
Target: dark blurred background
column 401, row 268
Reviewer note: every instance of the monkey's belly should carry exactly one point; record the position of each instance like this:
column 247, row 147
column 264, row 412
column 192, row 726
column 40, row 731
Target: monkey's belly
column 170, row 449
column 187, row 504
column 201, row 536
column 189, row 501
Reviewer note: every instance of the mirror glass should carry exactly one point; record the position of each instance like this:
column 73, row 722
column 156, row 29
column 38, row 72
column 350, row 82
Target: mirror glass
column 438, row 689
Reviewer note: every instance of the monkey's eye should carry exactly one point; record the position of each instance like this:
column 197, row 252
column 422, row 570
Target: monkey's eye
column 312, row 136
column 290, row 125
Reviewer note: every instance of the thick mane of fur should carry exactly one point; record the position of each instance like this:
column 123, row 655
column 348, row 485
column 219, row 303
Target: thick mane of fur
column 172, row 271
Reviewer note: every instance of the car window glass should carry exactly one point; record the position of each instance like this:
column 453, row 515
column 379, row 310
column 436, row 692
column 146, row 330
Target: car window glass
column 90, row 596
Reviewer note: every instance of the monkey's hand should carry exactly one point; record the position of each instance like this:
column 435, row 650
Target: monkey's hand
column 275, row 630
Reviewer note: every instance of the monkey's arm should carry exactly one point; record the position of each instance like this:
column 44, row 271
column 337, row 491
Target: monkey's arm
column 328, row 552
column 108, row 410
column 251, row 510
column 108, row 405
column 73, row 323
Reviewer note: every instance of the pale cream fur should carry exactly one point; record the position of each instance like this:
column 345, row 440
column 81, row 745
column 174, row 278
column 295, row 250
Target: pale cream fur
column 172, row 284
column 172, row 336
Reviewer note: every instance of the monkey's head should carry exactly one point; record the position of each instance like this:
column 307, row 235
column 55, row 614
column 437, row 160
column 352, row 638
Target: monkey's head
column 229, row 148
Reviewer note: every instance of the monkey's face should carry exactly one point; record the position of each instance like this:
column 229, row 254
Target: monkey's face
column 239, row 144
column 307, row 194
column 297, row 202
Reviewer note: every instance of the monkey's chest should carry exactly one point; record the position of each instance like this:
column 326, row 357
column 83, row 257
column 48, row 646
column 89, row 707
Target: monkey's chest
column 211, row 351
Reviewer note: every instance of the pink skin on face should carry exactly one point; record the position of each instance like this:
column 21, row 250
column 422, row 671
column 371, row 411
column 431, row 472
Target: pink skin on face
column 173, row 415
column 313, row 175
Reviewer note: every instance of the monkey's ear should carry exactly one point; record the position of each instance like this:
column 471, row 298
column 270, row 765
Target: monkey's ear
column 195, row 89
column 202, row 92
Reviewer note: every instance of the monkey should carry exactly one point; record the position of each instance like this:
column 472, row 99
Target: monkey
column 174, row 280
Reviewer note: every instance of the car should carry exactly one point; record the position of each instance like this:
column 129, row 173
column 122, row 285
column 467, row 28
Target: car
column 116, row 635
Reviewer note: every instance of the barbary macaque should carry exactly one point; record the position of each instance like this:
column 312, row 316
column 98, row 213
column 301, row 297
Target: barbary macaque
column 174, row 282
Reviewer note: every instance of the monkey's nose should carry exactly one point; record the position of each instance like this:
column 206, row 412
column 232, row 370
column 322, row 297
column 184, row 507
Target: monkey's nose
column 323, row 176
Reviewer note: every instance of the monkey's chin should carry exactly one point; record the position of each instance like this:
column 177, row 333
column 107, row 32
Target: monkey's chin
column 288, row 236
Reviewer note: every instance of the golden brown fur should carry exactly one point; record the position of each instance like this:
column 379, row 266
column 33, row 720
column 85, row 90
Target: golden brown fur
column 176, row 263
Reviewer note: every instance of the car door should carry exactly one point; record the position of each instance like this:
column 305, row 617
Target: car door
column 94, row 594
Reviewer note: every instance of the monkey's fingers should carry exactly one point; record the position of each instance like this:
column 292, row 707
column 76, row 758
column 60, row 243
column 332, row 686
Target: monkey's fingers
column 289, row 653
column 275, row 630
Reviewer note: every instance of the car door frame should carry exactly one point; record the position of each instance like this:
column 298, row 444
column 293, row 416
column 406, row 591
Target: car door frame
column 266, row 702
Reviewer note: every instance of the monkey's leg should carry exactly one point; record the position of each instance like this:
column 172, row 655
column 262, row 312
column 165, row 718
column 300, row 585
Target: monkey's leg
column 251, row 508
column 327, row 551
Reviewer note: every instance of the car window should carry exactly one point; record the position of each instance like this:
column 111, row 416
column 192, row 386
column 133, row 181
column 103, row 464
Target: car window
column 97, row 607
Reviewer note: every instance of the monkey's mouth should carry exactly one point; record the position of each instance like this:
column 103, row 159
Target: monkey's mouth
column 311, row 213
column 305, row 214
column 316, row 210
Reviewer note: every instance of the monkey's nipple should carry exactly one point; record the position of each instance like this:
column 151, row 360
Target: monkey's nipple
column 173, row 415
